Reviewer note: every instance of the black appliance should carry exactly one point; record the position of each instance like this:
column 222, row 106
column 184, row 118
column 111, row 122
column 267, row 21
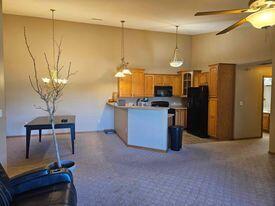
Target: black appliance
column 197, row 111
column 164, row 104
column 163, row 91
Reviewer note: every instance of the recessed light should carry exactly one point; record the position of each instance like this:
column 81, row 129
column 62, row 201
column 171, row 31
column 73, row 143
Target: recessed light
column 97, row 19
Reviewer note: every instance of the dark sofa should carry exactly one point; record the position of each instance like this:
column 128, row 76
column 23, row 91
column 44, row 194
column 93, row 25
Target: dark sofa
column 41, row 187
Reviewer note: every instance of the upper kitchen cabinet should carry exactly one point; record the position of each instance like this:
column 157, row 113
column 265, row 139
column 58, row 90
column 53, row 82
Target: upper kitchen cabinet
column 189, row 79
column 132, row 85
column 221, row 101
column 149, row 85
column 203, row 78
column 169, row 80
column 158, row 80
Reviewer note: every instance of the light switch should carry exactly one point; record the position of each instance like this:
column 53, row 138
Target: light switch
column 1, row 113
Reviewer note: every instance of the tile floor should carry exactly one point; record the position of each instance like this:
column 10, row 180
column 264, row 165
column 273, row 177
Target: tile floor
column 233, row 173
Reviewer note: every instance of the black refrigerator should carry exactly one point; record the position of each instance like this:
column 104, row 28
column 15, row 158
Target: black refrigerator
column 197, row 111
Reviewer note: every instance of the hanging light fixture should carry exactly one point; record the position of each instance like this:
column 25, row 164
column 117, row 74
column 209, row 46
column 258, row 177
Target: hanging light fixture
column 53, row 72
column 176, row 60
column 262, row 19
column 123, row 67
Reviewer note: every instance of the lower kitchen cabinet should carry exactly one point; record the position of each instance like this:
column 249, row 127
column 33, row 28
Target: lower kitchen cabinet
column 181, row 117
column 212, row 117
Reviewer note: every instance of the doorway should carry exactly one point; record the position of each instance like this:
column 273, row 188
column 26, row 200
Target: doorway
column 266, row 102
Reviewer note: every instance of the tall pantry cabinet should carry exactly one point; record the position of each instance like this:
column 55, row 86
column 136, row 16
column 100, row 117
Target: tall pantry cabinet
column 221, row 101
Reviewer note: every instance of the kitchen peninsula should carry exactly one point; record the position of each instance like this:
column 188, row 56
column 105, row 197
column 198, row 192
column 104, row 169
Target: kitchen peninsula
column 142, row 126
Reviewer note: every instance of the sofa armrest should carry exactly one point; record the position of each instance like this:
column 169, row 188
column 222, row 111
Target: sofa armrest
column 36, row 181
column 29, row 175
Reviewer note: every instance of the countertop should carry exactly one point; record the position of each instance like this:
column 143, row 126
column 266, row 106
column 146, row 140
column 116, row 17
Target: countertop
column 138, row 107
column 178, row 107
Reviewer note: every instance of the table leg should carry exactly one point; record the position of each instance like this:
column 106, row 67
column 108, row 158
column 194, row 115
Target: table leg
column 28, row 140
column 72, row 137
column 40, row 134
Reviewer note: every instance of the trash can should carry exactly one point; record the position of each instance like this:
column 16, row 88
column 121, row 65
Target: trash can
column 176, row 137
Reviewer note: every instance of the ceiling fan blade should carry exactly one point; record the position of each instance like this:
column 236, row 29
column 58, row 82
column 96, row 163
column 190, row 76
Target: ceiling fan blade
column 234, row 11
column 239, row 23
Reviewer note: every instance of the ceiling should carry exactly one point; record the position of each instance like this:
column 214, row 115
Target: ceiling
column 153, row 15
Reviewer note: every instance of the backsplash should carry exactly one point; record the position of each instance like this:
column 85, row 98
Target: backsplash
column 174, row 101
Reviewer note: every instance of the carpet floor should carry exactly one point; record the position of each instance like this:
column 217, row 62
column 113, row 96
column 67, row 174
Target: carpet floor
column 232, row 173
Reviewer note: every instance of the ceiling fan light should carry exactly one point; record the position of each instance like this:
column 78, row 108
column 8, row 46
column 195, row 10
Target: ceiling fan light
column 119, row 74
column 262, row 19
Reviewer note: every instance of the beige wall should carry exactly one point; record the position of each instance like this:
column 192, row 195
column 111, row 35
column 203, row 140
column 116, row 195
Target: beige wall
column 243, row 45
column 249, row 91
column 94, row 52
column 272, row 124
column 3, row 151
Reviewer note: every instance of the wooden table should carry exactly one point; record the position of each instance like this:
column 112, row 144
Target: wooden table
column 41, row 123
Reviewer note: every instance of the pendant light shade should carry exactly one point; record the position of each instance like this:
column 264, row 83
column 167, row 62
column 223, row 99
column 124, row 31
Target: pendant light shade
column 176, row 60
column 123, row 67
column 262, row 19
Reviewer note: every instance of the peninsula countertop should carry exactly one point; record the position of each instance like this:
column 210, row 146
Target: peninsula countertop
column 138, row 107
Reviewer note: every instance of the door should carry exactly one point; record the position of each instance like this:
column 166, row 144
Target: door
column 138, row 83
column 212, row 117
column 266, row 102
column 149, row 86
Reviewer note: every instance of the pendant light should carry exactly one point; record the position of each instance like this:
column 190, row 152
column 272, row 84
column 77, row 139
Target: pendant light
column 123, row 67
column 176, row 60
column 53, row 71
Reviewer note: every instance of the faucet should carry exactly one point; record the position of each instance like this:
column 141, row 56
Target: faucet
column 137, row 101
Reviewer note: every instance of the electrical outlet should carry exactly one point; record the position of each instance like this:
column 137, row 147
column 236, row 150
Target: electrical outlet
column 241, row 103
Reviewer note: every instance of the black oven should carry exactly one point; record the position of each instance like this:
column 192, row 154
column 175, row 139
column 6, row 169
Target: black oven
column 163, row 91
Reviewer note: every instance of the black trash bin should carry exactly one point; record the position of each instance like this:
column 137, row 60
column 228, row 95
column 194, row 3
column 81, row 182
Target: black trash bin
column 176, row 137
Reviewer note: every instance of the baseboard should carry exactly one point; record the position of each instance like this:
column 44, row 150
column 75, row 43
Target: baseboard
column 58, row 133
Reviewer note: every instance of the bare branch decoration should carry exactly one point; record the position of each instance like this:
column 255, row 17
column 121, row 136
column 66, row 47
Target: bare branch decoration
column 50, row 89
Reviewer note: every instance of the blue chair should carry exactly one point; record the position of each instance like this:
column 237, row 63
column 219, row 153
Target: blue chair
column 41, row 187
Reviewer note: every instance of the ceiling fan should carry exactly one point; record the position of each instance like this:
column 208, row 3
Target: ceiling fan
column 262, row 14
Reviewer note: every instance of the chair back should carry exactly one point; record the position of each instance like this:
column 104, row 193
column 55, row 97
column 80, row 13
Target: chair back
column 5, row 188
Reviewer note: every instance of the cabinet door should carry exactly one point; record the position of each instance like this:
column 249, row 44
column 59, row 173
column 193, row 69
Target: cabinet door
column 138, row 83
column 181, row 117
column 149, row 86
column 186, row 83
column 213, row 81
column 168, row 80
column 158, row 80
column 125, row 86
column 212, row 117
column 196, row 78
column 203, row 80
column 177, row 86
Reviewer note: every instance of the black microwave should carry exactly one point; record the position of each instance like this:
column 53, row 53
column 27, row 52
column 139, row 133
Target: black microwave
column 163, row 91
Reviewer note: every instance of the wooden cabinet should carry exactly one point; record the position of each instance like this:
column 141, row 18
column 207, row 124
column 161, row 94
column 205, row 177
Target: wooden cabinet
column 132, row 85
column 149, row 85
column 212, row 117
column 177, row 86
column 203, row 78
column 137, row 83
column 181, row 117
column 221, row 101
column 125, row 86
column 189, row 79
column 266, row 122
column 158, row 80
column 213, row 81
